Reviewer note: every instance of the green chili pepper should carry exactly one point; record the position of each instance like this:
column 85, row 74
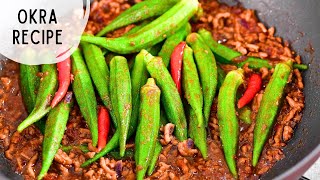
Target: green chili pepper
column 245, row 115
column 223, row 54
column 255, row 63
column 207, row 68
column 170, row 97
column 139, row 76
column 148, row 128
column 300, row 66
column 191, row 85
column 112, row 144
column 221, row 76
column 198, row 133
column 120, row 86
column 152, row 33
column 172, row 41
column 99, row 73
column 154, row 159
column 139, row 12
column 29, row 86
column 84, row 93
column 47, row 88
column 55, row 126
column 227, row 55
column 269, row 107
column 129, row 154
column 228, row 122
column 67, row 149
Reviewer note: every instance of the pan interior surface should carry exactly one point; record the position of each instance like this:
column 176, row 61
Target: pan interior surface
column 297, row 22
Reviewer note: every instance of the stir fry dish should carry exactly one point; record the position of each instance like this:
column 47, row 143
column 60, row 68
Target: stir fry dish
column 170, row 89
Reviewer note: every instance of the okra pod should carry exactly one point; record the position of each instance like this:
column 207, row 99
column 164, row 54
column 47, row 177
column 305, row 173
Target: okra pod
column 29, row 84
column 148, row 128
column 154, row 158
column 151, row 34
column 139, row 76
column 120, row 85
column 221, row 76
column 191, row 85
column 99, row 73
column 228, row 122
column 47, row 88
column 269, row 107
column 207, row 68
column 139, row 12
column 170, row 96
column 172, row 41
column 84, row 93
column 55, row 126
column 198, row 133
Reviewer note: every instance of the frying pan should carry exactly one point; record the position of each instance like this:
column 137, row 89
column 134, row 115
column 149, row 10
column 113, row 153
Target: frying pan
column 295, row 21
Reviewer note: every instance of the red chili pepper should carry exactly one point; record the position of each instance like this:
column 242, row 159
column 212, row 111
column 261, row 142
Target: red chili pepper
column 254, row 86
column 64, row 68
column 103, row 127
column 176, row 64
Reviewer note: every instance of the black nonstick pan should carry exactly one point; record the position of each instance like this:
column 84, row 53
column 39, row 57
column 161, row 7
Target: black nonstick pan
column 298, row 22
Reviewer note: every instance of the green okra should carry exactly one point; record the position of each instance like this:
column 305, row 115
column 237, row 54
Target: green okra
column 158, row 148
column 138, row 27
column 170, row 96
column 29, row 84
column 191, row 85
column 198, row 133
column 55, row 126
column 154, row 159
column 269, row 107
column 221, row 76
column 172, row 41
column 148, row 128
column 228, row 122
column 47, row 88
column 139, row 76
column 151, row 34
column 84, row 93
column 245, row 115
column 99, row 73
column 207, row 69
column 139, row 12
column 120, row 86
